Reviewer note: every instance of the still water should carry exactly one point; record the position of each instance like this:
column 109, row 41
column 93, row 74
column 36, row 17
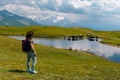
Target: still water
column 109, row 52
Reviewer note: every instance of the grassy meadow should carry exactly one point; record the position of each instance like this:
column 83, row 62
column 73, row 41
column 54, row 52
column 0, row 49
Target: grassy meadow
column 53, row 63
column 44, row 31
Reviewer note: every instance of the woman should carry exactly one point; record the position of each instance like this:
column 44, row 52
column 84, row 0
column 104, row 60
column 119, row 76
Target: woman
column 31, row 54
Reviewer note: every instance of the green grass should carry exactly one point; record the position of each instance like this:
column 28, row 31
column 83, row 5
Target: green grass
column 45, row 31
column 53, row 64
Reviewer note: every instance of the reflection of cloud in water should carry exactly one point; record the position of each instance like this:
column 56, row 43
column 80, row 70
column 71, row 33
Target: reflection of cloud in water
column 85, row 45
column 57, row 44
column 107, row 51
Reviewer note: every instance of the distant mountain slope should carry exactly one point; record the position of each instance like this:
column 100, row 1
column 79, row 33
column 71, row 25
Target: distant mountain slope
column 10, row 19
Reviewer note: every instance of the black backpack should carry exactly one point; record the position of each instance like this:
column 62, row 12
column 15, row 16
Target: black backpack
column 25, row 46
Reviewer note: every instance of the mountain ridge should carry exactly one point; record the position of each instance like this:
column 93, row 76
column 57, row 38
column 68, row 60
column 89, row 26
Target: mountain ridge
column 9, row 19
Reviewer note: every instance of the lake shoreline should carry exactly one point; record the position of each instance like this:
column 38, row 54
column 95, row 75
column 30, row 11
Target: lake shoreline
column 60, row 32
column 95, row 48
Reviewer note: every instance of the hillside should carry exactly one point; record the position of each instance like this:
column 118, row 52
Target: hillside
column 54, row 64
column 10, row 19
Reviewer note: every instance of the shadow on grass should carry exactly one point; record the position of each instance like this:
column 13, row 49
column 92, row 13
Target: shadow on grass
column 17, row 71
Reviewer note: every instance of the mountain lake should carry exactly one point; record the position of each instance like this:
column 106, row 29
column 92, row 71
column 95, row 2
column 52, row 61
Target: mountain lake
column 94, row 47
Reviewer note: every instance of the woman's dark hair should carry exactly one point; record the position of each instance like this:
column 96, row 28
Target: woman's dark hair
column 29, row 34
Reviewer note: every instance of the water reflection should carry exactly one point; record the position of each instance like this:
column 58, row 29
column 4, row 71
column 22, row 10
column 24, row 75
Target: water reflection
column 109, row 52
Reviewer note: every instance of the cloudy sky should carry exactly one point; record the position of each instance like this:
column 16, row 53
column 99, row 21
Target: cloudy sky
column 101, row 13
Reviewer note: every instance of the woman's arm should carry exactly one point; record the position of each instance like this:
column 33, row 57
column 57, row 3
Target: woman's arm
column 33, row 48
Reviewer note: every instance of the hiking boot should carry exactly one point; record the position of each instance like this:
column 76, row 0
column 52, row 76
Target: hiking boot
column 34, row 72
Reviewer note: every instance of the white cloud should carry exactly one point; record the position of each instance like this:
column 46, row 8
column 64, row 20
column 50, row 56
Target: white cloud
column 59, row 2
column 73, row 10
column 109, row 5
column 80, row 4
column 59, row 18
column 44, row 2
column 105, row 5
column 66, row 6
